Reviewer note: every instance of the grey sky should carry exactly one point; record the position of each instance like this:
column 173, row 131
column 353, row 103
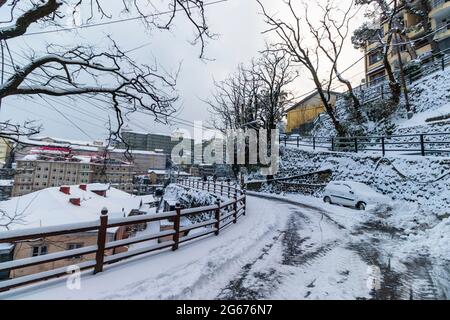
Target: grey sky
column 238, row 24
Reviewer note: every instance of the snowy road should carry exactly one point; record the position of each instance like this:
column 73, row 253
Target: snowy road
column 278, row 251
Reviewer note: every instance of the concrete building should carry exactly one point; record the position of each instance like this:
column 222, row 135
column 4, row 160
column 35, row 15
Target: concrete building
column 5, row 151
column 301, row 116
column 152, row 142
column 439, row 19
column 36, row 172
column 142, row 160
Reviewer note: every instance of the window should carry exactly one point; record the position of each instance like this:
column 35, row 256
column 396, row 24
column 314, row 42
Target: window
column 40, row 251
column 375, row 57
column 74, row 246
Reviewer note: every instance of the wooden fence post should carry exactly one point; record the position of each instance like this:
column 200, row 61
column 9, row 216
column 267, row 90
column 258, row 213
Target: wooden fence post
column 176, row 227
column 298, row 142
column 228, row 189
column 245, row 202
column 314, row 143
column 101, row 241
column 217, row 217
column 383, row 146
column 221, row 188
column 332, row 144
column 422, row 145
column 356, row 145
column 235, row 207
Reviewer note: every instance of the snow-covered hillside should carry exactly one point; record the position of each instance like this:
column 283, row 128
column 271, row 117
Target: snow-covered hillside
column 429, row 97
column 419, row 186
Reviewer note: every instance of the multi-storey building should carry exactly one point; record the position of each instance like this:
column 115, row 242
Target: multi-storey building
column 37, row 172
column 152, row 142
column 439, row 21
column 5, row 151
column 143, row 160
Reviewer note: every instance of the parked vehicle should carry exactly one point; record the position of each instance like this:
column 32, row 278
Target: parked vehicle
column 352, row 194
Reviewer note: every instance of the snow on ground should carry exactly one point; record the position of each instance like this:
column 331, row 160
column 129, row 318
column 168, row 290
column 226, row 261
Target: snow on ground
column 429, row 97
column 278, row 250
column 419, row 186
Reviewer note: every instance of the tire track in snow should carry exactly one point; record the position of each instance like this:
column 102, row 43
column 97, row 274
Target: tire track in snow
column 297, row 255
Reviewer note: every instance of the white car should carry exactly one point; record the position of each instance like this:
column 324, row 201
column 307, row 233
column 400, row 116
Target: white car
column 352, row 194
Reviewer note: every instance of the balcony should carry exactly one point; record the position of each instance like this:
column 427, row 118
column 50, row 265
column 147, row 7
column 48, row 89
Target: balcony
column 441, row 9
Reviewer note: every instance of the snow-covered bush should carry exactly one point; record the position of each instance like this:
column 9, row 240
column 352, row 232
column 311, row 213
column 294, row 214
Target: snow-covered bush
column 191, row 198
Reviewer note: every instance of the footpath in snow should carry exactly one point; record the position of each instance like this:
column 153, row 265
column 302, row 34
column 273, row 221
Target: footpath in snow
column 287, row 247
column 278, row 250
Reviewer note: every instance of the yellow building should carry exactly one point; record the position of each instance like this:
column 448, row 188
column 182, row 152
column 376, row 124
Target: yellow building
column 5, row 151
column 301, row 116
column 439, row 19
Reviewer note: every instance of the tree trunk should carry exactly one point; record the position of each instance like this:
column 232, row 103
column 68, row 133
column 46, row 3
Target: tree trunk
column 393, row 84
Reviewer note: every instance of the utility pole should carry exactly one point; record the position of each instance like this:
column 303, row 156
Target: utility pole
column 402, row 77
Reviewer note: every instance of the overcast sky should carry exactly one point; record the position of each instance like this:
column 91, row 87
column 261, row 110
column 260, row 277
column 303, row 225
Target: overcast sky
column 238, row 23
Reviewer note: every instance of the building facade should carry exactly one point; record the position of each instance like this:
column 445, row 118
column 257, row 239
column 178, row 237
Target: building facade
column 5, row 151
column 301, row 116
column 439, row 20
column 37, row 173
column 152, row 142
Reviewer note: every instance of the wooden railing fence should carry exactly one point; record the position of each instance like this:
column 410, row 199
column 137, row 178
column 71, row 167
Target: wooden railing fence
column 224, row 213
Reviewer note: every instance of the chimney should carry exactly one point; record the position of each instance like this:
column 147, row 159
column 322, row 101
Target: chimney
column 75, row 201
column 64, row 189
column 83, row 187
column 101, row 193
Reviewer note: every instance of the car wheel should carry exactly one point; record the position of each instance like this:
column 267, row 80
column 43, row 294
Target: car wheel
column 327, row 200
column 361, row 206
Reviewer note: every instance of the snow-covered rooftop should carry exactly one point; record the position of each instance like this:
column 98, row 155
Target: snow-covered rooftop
column 158, row 172
column 51, row 207
column 6, row 183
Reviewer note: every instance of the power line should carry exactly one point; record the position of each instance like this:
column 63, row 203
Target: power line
column 111, row 22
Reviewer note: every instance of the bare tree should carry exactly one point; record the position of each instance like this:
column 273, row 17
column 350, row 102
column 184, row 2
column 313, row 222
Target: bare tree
column 291, row 41
column 86, row 71
column 255, row 96
column 274, row 72
column 389, row 42
column 331, row 34
column 233, row 103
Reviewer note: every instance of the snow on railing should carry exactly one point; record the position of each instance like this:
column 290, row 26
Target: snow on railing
column 424, row 144
column 225, row 213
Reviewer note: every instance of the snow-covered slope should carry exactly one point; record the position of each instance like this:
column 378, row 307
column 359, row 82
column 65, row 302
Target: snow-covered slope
column 429, row 97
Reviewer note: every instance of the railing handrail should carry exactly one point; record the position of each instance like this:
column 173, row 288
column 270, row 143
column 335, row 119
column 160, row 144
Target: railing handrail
column 354, row 143
column 236, row 205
